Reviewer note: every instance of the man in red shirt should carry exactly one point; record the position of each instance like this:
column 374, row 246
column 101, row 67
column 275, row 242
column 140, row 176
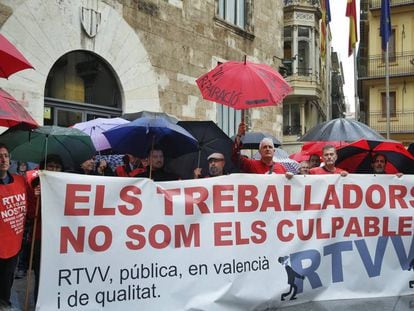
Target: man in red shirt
column 265, row 165
column 329, row 157
column 13, row 208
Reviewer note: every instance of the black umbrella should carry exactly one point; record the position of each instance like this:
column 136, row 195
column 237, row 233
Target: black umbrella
column 149, row 114
column 341, row 129
column 411, row 148
column 210, row 139
column 251, row 140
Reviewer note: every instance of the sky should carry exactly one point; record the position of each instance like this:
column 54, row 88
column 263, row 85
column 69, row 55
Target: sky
column 340, row 34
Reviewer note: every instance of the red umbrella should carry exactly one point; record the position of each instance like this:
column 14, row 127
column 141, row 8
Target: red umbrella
column 314, row 147
column 243, row 85
column 11, row 60
column 12, row 113
column 357, row 156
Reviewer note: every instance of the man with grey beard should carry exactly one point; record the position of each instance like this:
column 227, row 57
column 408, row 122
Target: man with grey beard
column 216, row 165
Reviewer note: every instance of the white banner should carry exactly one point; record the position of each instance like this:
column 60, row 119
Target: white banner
column 237, row 242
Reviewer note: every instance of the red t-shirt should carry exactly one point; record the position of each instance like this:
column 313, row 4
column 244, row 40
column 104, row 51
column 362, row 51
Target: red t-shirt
column 121, row 171
column 13, row 208
column 323, row 171
column 254, row 166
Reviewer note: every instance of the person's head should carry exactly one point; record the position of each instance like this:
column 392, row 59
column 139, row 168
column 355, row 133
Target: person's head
column 216, row 164
column 314, row 160
column 21, row 166
column 156, row 158
column 266, row 149
column 329, row 155
column 88, row 165
column 304, row 167
column 144, row 162
column 133, row 160
column 4, row 160
column 378, row 163
column 53, row 163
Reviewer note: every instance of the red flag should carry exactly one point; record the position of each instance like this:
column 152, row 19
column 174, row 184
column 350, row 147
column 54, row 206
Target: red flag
column 353, row 33
column 323, row 28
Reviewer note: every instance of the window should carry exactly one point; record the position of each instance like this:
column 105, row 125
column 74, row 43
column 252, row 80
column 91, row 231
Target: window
column 291, row 119
column 303, row 51
column 287, row 50
column 228, row 119
column 393, row 112
column 80, row 86
column 233, row 11
column 391, row 48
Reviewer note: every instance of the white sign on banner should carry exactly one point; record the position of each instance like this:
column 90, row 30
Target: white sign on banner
column 236, row 242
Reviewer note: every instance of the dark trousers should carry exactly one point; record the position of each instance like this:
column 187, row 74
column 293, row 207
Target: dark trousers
column 7, row 268
column 36, row 267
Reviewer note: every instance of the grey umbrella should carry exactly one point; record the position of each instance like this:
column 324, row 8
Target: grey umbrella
column 341, row 129
column 150, row 114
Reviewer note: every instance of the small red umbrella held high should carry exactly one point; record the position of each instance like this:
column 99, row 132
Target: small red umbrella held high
column 243, row 85
column 11, row 60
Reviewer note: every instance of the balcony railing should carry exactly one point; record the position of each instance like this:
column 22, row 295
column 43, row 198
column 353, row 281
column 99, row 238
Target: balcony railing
column 376, row 4
column 292, row 130
column 400, row 64
column 400, row 122
column 314, row 3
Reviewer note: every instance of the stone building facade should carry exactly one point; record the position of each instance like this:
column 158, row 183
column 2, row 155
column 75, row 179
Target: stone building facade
column 150, row 52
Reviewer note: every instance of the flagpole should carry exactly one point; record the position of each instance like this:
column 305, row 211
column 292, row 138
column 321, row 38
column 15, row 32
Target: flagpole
column 387, row 90
column 356, row 86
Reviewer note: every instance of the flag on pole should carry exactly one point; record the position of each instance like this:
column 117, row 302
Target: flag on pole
column 353, row 32
column 385, row 28
column 326, row 18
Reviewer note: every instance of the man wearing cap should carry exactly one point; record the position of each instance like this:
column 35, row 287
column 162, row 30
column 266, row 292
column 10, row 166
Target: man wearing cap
column 216, row 165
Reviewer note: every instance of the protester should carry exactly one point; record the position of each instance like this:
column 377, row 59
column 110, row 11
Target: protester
column 103, row 169
column 22, row 168
column 156, row 166
column 11, row 232
column 216, row 163
column 132, row 166
column 53, row 163
column 265, row 165
column 23, row 261
column 329, row 157
column 378, row 164
column 314, row 160
column 304, row 167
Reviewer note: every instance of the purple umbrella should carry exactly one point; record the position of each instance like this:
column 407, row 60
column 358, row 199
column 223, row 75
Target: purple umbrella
column 95, row 128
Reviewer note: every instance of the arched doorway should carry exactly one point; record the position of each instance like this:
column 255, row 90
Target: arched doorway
column 81, row 86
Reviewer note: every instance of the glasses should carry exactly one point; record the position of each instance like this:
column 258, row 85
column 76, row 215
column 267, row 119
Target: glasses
column 215, row 160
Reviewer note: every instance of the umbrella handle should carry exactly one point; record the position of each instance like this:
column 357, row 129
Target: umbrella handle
column 150, row 161
column 29, row 272
column 199, row 156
